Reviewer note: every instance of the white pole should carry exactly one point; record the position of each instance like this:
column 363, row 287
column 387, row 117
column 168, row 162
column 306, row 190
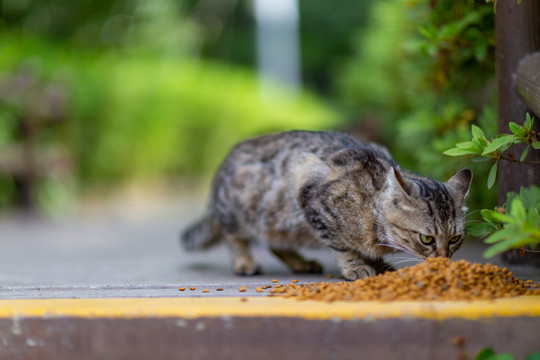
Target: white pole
column 278, row 52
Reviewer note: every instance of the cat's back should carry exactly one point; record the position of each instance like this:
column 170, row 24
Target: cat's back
column 270, row 161
column 278, row 147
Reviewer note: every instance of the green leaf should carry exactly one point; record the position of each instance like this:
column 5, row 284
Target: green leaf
column 480, row 50
column 465, row 145
column 496, row 218
column 477, row 132
column 504, row 245
column 505, row 233
column 492, row 175
column 477, row 145
column 485, row 354
column 536, row 145
column 504, row 356
column 483, row 142
column 524, row 153
column 517, row 209
column 481, row 229
column 497, row 143
column 459, row 152
column 533, row 356
column 529, row 197
column 449, row 31
column 528, row 122
column 519, row 131
column 429, row 31
column 515, row 128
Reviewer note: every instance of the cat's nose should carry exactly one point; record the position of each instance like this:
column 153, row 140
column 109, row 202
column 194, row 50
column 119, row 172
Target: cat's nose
column 442, row 252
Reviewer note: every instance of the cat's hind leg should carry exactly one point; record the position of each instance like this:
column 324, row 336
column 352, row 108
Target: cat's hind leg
column 296, row 262
column 243, row 263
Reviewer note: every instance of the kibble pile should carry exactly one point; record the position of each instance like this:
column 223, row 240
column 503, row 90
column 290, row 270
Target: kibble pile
column 434, row 279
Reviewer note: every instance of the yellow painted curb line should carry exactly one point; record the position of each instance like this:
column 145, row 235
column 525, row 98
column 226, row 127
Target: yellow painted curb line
column 265, row 307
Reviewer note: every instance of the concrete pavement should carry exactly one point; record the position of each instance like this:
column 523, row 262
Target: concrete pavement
column 107, row 288
column 139, row 256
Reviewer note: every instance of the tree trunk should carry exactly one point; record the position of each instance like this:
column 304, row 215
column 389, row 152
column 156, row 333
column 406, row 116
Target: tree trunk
column 517, row 29
column 518, row 34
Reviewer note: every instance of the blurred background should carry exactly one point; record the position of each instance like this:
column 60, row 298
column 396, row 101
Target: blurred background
column 125, row 101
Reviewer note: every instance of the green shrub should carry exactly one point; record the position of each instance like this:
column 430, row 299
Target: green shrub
column 425, row 70
column 517, row 223
column 147, row 116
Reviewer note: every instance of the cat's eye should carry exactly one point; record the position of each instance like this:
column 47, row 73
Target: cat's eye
column 454, row 239
column 426, row 239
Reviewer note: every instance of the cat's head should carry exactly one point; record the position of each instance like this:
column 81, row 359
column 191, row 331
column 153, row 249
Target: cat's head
column 425, row 217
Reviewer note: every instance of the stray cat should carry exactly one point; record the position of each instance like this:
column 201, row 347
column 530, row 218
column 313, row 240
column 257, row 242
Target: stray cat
column 302, row 188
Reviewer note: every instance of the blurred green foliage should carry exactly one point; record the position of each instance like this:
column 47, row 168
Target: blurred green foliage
column 164, row 88
column 425, row 71
column 141, row 102
column 139, row 115
column 489, row 354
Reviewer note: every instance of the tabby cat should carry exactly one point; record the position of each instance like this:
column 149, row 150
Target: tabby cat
column 301, row 189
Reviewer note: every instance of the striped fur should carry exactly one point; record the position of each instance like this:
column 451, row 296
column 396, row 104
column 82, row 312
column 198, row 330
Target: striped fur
column 301, row 189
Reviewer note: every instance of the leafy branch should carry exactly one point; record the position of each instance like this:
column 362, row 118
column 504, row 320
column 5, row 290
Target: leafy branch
column 481, row 147
column 517, row 223
column 514, row 225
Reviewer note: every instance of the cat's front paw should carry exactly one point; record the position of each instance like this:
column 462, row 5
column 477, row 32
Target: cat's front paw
column 246, row 267
column 360, row 272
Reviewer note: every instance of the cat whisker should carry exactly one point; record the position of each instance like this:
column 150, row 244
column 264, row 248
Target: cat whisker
column 399, row 246
column 395, row 247
column 473, row 221
column 400, row 257
column 472, row 213
column 408, row 260
column 387, row 266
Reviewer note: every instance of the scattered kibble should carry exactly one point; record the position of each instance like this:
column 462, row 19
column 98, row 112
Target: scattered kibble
column 219, row 289
column 435, row 279
column 294, row 281
column 182, row 288
column 278, row 286
column 266, row 286
column 529, row 281
column 243, row 299
column 274, row 280
column 258, row 289
column 329, row 276
column 205, row 290
column 192, row 288
column 242, row 289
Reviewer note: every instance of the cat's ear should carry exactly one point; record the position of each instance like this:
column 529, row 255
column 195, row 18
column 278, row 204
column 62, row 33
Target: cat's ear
column 398, row 183
column 461, row 182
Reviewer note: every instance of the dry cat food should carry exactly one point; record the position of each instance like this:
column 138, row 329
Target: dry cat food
column 434, row 279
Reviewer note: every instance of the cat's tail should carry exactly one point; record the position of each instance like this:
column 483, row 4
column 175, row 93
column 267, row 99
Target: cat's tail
column 201, row 235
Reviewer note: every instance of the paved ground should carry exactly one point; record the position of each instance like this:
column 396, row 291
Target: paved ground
column 106, row 287
column 137, row 254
